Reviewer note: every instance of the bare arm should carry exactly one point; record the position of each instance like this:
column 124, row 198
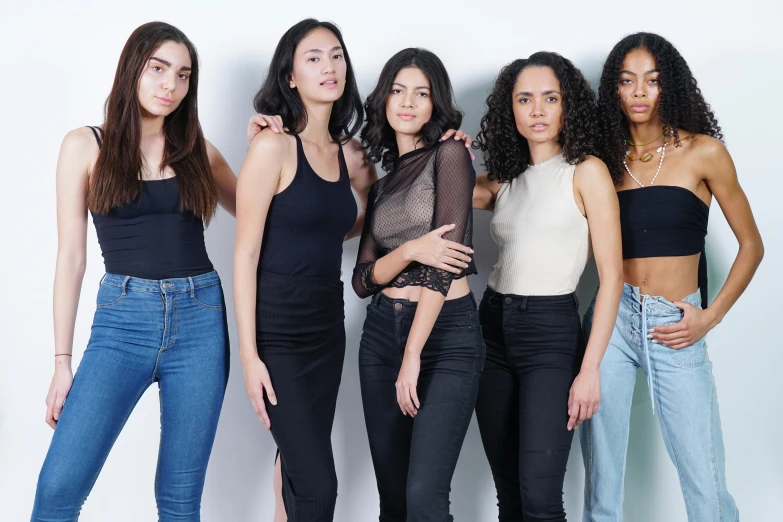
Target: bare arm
column 257, row 184
column 73, row 165
column 363, row 175
column 594, row 187
column 225, row 180
column 721, row 179
column 485, row 193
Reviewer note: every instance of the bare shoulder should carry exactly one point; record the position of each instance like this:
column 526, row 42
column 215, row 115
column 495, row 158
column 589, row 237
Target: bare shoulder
column 267, row 142
column 708, row 148
column 592, row 171
column 79, row 150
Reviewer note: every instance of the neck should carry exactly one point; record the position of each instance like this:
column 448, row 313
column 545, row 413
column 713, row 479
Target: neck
column 644, row 133
column 317, row 129
column 151, row 126
column 541, row 152
column 407, row 143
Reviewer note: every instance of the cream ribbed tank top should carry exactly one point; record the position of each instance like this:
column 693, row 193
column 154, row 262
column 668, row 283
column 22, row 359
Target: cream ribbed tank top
column 543, row 238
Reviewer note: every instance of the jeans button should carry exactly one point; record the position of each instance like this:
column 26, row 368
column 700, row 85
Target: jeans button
column 507, row 300
column 398, row 306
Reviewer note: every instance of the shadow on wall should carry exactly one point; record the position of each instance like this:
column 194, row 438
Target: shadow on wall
column 239, row 478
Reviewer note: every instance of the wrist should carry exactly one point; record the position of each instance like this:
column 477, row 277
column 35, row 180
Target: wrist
column 405, row 250
column 714, row 315
column 248, row 356
column 589, row 366
column 62, row 364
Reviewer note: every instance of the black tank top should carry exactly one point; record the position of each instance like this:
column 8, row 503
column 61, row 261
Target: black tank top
column 150, row 237
column 663, row 221
column 307, row 222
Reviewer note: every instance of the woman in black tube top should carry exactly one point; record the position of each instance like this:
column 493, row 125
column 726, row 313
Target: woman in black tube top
column 663, row 147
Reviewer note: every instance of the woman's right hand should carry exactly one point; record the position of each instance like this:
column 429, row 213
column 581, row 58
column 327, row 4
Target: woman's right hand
column 432, row 250
column 257, row 381
column 259, row 121
column 58, row 391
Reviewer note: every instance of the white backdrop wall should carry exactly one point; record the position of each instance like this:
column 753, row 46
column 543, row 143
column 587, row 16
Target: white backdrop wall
column 58, row 61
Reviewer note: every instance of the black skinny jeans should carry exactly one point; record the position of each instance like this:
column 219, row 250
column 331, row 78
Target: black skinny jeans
column 534, row 351
column 414, row 458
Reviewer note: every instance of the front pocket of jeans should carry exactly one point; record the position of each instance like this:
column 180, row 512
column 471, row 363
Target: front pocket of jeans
column 461, row 321
column 109, row 295
column 691, row 356
column 210, row 297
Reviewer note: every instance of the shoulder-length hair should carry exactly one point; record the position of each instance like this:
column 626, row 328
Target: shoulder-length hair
column 277, row 97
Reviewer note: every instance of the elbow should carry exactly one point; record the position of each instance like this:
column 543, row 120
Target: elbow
column 72, row 262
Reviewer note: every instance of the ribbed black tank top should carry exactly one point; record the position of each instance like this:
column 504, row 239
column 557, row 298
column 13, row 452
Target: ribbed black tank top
column 307, row 222
column 150, row 237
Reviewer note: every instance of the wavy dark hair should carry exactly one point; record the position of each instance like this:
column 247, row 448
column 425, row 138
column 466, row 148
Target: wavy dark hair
column 115, row 178
column 681, row 104
column 506, row 152
column 378, row 137
column 277, row 97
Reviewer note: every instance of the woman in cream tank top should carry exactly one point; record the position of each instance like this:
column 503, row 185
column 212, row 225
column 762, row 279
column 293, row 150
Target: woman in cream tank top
column 552, row 201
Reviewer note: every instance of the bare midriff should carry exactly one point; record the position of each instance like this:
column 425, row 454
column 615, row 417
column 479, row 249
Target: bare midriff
column 671, row 277
column 459, row 288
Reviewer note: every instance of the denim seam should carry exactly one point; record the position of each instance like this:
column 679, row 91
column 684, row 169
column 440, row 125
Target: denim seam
column 713, row 462
column 665, row 424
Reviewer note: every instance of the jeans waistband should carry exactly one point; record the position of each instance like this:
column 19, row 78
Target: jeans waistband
column 533, row 302
column 460, row 304
column 169, row 286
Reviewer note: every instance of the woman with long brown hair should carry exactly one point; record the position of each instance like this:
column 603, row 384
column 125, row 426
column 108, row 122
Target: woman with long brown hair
column 151, row 181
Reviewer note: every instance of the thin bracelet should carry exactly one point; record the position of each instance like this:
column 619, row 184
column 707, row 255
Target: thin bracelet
column 66, row 354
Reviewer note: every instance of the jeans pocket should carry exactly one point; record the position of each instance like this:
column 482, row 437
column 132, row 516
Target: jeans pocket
column 109, row 295
column 209, row 297
column 691, row 356
column 458, row 321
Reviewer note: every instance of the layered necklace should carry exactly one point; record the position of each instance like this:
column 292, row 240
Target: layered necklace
column 646, row 157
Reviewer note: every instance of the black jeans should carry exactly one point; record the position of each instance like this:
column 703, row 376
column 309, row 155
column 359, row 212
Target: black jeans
column 534, row 350
column 301, row 339
column 414, row 458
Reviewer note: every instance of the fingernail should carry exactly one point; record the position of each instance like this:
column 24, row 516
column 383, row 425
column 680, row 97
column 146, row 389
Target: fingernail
column 654, row 341
column 649, row 336
column 651, row 330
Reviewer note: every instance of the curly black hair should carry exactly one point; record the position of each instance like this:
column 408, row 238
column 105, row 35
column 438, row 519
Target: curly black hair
column 506, row 152
column 378, row 137
column 681, row 105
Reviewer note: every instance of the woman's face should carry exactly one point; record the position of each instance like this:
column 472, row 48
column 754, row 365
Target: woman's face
column 639, row 87
column 319, row 67
column 165, row 81
column 538, row 104
column 409, row 103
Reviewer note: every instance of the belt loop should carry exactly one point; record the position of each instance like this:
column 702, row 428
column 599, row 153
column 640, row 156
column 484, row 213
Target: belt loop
column 125, row 285
column 576, row 301
column 376, row 299
column 192, row 290
column 102, row 278
column 523, row 306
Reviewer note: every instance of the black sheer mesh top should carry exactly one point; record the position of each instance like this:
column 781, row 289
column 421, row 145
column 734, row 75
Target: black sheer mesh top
column 426, row 189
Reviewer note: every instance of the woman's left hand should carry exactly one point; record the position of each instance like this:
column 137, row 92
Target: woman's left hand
column 406, row 385
column 459, row 135
column 584, row 397
column 694, row 325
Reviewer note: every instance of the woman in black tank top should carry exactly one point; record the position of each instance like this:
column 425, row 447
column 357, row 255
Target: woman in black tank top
column 662, row 144
column 151, row 181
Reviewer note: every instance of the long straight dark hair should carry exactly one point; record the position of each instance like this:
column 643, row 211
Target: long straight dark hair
column 115, row 180
column 277, row 97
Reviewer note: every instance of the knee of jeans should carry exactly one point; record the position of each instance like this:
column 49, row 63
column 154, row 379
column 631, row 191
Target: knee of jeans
column 57, row 490
column 423, row 496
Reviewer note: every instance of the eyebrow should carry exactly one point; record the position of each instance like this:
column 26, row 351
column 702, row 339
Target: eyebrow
column 550, row 91
column 319, row 51
column 405, row 87
column 634, row 74
column 168, row 64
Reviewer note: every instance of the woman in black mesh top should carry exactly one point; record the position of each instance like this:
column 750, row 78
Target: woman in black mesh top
column 421, row 352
